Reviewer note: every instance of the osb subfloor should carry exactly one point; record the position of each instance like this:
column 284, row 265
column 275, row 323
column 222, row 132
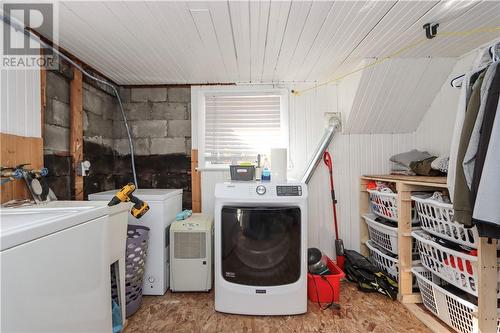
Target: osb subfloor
column 194, row 312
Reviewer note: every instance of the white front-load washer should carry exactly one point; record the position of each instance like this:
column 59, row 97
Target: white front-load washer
column 261, row 248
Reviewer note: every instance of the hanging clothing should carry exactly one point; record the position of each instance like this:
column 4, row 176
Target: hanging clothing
column 487, row 205
column 490, row 108
column 470, row 156
column 462, row 198
column 465, row 92
column 485, row 189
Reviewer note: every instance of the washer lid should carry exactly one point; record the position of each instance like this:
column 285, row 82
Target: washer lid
column 151, row 194
column 24, row 224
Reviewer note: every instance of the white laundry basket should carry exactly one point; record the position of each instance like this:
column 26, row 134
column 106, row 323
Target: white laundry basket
column 385, row 262
column 386, row 205
column 383, row 235
column 447, row 306
column 437, row 218
column 457, row 268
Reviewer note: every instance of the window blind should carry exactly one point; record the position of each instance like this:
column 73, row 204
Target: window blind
column 238, row 127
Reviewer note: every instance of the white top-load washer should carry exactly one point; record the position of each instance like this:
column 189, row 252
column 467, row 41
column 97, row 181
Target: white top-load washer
column 164, row 204
column 261, row 248
column 56, row 260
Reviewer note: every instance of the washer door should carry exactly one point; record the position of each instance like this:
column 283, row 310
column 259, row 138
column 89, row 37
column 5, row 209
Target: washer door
column 260, row 245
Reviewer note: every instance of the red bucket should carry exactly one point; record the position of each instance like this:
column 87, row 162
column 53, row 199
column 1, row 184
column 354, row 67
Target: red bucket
column 321, row 286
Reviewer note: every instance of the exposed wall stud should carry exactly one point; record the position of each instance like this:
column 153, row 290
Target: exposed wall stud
column 195, row 182
column 76, row 131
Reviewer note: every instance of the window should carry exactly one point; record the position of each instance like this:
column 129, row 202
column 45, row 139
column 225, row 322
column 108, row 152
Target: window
column 238, row 126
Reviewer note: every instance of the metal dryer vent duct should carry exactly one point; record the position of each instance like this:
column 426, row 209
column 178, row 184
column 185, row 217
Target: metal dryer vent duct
column 334, row 125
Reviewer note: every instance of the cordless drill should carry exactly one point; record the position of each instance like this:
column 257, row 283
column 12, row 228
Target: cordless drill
column 124, row 195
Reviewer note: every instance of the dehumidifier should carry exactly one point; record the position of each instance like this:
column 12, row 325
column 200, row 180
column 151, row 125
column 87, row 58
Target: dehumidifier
column 191, row 254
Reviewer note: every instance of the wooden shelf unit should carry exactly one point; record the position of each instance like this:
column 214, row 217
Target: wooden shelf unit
column 487, row 256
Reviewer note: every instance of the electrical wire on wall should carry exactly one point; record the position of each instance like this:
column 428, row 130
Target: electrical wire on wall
column 19, row 27
column 397, row 53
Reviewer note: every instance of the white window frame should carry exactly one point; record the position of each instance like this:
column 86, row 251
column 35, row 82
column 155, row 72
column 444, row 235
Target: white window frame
column 200, row 96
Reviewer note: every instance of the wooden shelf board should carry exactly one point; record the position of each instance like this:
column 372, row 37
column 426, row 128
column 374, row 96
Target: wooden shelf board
column 410, row 298
column 426, row 317
column 439, row 182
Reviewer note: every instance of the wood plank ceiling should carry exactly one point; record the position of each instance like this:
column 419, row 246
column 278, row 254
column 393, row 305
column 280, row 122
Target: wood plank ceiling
column 267, row 41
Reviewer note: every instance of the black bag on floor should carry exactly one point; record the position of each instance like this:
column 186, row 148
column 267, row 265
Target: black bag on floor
column 360, row 270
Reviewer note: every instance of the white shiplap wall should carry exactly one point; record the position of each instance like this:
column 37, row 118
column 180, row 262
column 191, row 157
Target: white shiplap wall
column 20, row 100
column 353, row 154
column 393, row 96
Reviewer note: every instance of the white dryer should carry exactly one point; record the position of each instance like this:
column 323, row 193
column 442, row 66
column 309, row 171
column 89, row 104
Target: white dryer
column 261, row 248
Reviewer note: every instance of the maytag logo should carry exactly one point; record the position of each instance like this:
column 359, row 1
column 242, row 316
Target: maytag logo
column 19, row 50
column 260, row 291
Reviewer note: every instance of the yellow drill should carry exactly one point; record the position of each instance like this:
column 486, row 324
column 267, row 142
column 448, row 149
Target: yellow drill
column 124, row 195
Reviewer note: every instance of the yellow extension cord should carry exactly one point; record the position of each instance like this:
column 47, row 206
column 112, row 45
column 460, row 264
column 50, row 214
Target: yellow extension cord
column 398, row 52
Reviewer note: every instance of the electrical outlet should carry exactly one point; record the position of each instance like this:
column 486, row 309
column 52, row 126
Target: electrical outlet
column 329, row 117
column 83, row 168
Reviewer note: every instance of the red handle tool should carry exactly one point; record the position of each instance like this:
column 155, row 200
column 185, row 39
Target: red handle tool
column 339, row 244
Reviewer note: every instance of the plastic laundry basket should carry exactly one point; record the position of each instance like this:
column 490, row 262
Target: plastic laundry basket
column 386, row 262
column 137, row 248
column 437, row 218
column 455, row 267
column 386, row 205
column 384, row 235
column 447, row 305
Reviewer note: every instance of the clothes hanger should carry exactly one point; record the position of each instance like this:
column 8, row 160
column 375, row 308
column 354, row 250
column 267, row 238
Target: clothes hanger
column 456, row 82
column 493, row 52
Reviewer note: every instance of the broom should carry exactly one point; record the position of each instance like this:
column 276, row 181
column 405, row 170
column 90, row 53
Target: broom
column 339, row 244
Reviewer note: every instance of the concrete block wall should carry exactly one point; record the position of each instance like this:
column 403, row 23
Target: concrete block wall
column 99, row 108
column 160, row 126
column 99, row 105
column 57, row 112
column 56, row 131
column 159, row 121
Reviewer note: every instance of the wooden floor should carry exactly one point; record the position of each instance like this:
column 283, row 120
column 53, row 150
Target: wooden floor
column 194, row 312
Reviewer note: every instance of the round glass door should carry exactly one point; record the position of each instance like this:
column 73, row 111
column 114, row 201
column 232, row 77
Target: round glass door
column 261, row 245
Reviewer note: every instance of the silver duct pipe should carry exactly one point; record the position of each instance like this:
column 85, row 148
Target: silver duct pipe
column 322, row 146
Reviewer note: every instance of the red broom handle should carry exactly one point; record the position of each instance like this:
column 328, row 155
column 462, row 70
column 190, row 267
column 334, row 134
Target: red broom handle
column 328, row 161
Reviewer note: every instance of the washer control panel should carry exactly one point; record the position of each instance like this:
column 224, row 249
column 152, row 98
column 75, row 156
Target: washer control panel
column 289, row 191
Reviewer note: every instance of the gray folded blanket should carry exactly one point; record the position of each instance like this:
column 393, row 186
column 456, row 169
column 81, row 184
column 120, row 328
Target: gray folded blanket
column 407, row 158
